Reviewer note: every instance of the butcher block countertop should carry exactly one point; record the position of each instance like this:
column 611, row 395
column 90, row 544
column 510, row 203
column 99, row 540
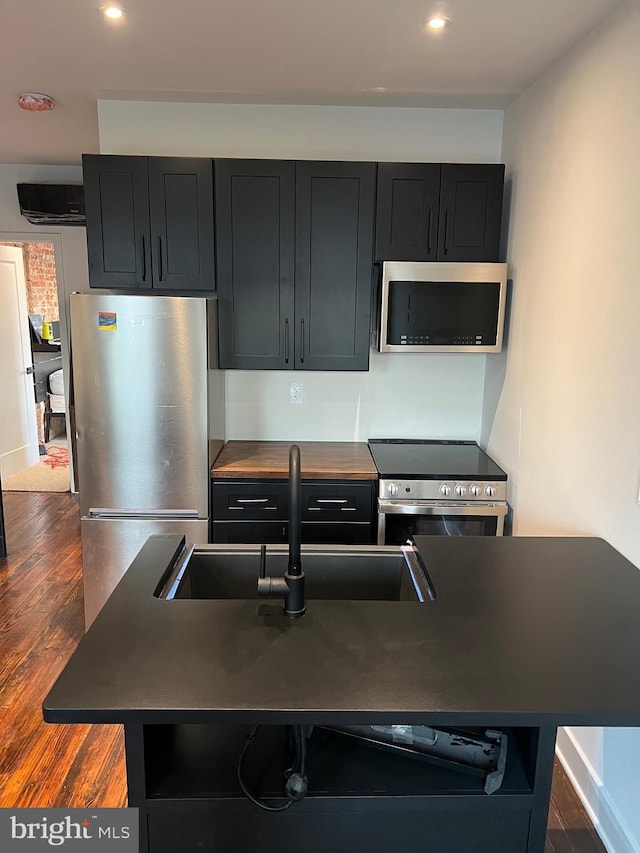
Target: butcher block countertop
column 319, row 460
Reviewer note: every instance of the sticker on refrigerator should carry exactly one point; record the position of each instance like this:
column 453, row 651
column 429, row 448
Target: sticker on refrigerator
column 107, row 321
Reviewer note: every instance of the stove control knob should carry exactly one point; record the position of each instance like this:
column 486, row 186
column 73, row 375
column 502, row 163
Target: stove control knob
column 392, row 489
column 445, row 490
column 461, row 491
column 475, row 491
column 490, row 491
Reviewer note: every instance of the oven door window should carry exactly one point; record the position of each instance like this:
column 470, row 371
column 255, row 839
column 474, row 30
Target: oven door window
column 399, row 528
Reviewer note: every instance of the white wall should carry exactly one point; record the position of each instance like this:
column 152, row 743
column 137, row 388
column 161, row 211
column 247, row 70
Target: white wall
column 70, row 242
column 562, row 408
column 425, row 396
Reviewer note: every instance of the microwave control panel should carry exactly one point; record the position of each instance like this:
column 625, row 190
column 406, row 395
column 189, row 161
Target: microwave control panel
column 453, row 340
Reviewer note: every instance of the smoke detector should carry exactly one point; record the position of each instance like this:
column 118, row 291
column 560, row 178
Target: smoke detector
column 35, row 102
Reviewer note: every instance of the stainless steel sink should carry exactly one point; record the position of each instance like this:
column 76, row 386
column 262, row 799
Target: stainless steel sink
column 355, row 573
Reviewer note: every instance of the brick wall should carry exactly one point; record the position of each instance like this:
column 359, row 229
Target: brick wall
column 40, row 275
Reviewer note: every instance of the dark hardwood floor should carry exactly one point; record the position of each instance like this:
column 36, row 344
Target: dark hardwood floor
column 41, row 621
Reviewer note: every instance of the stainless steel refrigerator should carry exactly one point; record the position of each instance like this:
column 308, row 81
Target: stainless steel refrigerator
column 149, row 419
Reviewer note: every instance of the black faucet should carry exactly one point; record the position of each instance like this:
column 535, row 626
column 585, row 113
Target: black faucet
column 291, row 586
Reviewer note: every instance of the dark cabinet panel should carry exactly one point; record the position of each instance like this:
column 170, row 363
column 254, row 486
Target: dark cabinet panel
column 277, row 533
column 341, row 501
column 255, row 208
column 149, row 222
column 181, row 207
column 334, row 252
column 116, row 193
column 249, row 533
column 407, row 211
column 470, row 212
column 240, row 500
column 257, row 511
column 434, row 212
column 294, row 254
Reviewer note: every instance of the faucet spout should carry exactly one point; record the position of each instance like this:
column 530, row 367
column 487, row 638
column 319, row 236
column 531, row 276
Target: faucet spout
column 295, row 515
column 294, row 604
column 291, row 586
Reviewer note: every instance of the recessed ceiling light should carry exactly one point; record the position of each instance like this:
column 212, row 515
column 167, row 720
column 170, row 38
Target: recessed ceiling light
column 437, row 23
column 114, row 13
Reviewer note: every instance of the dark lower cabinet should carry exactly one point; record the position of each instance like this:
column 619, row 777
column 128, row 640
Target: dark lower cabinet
column 183, row 779
column 294, row 256
column 333, row 512
column 439, row 212
column 149, row 223
column 277, row 532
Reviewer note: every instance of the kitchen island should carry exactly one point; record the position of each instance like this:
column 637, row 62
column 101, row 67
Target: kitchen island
column 525, row 634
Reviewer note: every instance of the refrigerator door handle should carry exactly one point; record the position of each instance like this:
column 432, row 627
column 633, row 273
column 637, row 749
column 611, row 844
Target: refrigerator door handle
column 108, row 512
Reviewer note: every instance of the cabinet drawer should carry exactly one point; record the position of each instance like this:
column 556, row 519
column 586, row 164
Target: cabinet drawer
column 249, row 532
column 251, row 501
column 277, row 532
column 342, row 502
column 336, row 533
column 268, row 500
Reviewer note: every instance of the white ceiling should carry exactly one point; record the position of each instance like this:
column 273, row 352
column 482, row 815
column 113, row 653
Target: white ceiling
column 366, row 52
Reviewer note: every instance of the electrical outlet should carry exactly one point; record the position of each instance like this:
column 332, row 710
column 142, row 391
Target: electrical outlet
column 295, row 394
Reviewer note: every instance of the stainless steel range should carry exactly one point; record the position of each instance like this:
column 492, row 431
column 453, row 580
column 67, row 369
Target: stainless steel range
column 430, row 486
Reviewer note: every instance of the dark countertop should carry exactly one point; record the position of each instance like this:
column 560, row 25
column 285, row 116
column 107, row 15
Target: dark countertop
column 319, row 460
column 525, row 631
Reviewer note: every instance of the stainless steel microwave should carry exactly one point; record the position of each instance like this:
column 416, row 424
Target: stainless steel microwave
column 432, row 307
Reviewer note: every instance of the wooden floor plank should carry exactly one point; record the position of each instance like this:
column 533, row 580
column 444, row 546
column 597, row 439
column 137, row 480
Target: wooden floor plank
column 42, row 621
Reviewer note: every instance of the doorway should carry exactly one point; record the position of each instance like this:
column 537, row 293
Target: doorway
column 35, row 322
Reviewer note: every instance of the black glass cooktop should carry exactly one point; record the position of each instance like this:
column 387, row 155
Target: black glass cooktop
column 432, row 459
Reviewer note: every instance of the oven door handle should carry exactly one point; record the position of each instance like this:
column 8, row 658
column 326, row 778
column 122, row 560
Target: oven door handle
column 479, row 509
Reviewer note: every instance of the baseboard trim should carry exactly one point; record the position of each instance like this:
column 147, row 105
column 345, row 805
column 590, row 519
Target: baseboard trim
column 592, row 794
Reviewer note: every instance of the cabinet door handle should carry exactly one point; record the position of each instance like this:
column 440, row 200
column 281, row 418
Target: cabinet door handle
column 332, row 500
column 286, row 341
column 244, row 508
column 446, row 232
column 144, row 258
column 301, row 340
column 159, row 258
column 429, row 230
column 252, row 500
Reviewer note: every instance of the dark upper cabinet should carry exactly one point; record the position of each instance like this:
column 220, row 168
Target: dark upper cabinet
column 149, row 222
column 255, row 233
column 334, row 253
column 407, row 209
column 294, row 254
column 433, row 212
